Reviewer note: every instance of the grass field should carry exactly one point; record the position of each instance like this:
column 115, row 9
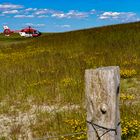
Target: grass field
column 42, row 80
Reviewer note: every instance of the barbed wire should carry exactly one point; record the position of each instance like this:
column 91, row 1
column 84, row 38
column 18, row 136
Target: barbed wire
column 107, row 130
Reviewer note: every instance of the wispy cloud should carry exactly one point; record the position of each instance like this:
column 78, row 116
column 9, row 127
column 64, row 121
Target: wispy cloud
column 42, row 16
column 59, row 15
column 71, row 14
column 23, row 16
column 121, row 16
column 38, row 13
column 30, row 9
column 109, row 15
column 19, row 11
column 44, row 11
column 10, row 6
column 35, row 25
column 93, row 11
column 41, row 11
column 10, row 12
column 64, row 26
column 129, row 17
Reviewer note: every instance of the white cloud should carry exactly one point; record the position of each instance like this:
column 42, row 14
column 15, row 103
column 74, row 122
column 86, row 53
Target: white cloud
column 107, row 15
column 30, row 9
column 64, row 26
column 59, row 15
column 121, row 16
column 10, row 6
column 10, row 12
column 39, row 25
column 71, row 14
column 42, row 16
column 103, row 17
column 43, row 11
column 77, row 14
column 23, row 16
column 35, row 25
column 6, row 9
column 129, row 17
column 112, row 14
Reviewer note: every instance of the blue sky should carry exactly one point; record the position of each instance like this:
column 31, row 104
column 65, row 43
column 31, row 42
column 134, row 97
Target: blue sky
column 64, row 15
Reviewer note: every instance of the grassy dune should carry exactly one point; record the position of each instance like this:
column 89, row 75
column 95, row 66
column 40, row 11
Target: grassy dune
column 48, row 72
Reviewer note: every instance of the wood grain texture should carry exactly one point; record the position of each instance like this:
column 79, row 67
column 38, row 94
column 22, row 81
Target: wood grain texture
column 102, row 101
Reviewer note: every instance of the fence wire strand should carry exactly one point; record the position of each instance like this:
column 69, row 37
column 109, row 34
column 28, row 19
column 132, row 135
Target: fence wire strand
column 107, row 130
column 59, row 136
column 82, row 132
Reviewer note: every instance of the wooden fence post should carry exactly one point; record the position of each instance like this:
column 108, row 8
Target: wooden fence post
column 102, row 101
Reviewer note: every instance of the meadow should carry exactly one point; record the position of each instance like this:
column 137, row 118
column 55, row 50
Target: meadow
column 42, row 80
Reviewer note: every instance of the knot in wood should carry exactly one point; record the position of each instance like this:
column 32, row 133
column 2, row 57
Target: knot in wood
column 103, row 108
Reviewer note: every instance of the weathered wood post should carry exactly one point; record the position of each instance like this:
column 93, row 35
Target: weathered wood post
column 102, row 100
